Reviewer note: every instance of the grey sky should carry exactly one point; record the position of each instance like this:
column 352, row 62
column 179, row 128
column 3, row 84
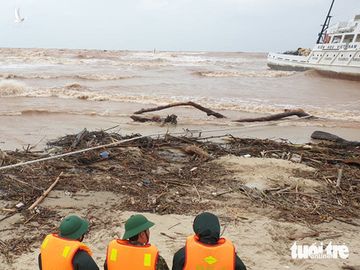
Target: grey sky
column 192, row 25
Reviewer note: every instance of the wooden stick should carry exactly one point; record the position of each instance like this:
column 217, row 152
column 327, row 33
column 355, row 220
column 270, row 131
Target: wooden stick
column 174, row 225
column 331, row 236
column 8, row 210
column 347, row 221
column 46, row 192
column 197, row 192
column 223, row 193
column 176, row 104
column 169, row 236
column 340, row 173
column 286, row 113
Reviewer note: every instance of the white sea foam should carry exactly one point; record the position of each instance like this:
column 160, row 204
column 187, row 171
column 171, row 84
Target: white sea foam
column 78, row 91
column 250, row 74
column 11, row 88
column 166, row 77
column 92, row 77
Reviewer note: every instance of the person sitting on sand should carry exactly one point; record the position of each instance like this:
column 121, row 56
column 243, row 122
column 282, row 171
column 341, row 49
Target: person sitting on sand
column 65, row 251
column 205, row 249
column 134, row 250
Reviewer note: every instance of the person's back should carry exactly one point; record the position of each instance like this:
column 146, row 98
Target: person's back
column 65, row 251
column 206, row 248
column 134, row 251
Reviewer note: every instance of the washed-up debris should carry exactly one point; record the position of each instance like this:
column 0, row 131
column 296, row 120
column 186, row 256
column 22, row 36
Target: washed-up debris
column 321, row 135
column 175, row 175
column 298, row 112
column 208, row 111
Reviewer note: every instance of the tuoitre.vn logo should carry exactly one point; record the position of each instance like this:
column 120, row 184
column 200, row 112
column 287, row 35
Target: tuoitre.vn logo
column 320, row 251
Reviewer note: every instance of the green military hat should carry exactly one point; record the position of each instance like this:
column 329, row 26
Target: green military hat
column 135, row 225
column 73, row 227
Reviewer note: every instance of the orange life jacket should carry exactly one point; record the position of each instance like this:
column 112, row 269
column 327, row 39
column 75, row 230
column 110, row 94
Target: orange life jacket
column 123, row 255
column 57, row 253
column 200, row 256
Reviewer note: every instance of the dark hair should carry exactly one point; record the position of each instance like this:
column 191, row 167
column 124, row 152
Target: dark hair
column 134, row 238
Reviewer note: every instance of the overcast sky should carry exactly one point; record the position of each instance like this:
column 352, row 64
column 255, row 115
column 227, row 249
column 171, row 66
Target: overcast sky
column 185, row 25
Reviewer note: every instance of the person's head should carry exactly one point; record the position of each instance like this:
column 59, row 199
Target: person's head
column 137, row 229
column 207, row 227
column 73, row 227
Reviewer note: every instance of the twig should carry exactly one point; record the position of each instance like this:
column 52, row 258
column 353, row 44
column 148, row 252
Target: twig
column 174, row 225
column 111, row 128
column 46, row 192
column 30, row 218
column 8, row 210
column 223, row 193
column 331, row 236
column 223, row 230
column 347, row 221
column 340, row 173
column 169, row 236
column 197, row 192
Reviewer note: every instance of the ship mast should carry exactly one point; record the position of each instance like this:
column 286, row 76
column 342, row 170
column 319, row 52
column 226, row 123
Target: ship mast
column 325, row 26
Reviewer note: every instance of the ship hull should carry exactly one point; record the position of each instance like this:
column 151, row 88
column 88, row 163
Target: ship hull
column 302, row 63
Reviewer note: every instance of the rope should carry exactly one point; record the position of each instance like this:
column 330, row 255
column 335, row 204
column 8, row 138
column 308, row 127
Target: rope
column 134, row 139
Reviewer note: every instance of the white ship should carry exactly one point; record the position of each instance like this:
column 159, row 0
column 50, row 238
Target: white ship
column 337, row 51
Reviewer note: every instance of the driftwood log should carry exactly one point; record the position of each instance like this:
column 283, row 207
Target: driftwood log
column 144, row 119
column 298, row 112
column 177, row 104
column 170, row 119
column 321, row 135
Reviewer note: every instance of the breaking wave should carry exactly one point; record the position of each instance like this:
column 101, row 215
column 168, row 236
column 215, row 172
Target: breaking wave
column 11, row 88
column 77, row 91
column 250, row 74
column 92, row 77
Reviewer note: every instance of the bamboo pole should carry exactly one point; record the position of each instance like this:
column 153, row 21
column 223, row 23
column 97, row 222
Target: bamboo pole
column 46, row 192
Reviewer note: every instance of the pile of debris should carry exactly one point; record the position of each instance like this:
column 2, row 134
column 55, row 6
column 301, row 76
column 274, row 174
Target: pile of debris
column 169, row 174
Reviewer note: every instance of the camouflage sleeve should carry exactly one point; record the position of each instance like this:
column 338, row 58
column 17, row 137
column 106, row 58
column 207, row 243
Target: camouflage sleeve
column 161, row 264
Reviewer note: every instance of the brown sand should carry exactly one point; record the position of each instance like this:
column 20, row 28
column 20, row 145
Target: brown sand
column 262, row 242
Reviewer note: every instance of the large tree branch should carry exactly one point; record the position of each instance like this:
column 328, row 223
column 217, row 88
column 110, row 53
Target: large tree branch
column 286, row 113
column 177, row 104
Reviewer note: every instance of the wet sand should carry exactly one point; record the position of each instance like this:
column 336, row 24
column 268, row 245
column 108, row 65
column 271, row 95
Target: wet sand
column 35, row 128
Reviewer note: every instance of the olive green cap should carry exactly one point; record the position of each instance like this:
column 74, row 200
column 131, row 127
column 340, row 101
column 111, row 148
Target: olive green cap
column 135, row 225
column 73, row 227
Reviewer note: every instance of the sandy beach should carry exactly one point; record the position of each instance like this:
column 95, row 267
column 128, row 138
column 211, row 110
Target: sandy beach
column 261, row 242
column 47, row 94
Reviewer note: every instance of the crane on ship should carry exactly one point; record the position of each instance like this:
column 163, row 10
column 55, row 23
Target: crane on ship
column 322, row 35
